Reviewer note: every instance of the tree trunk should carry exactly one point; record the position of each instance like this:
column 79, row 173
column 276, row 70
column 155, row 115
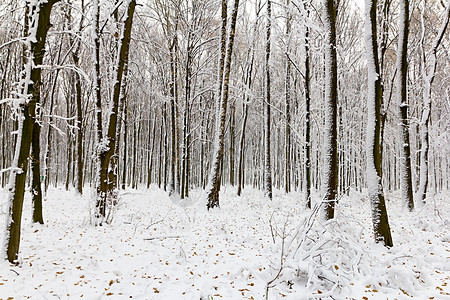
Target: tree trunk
column 36, row 190
column 125, row 142
column 330, row 175
column 307, row 117
column 287, row 93
column 106, row 147
column 248, row 79
column 26, row 117
column 380, row 221
column 173, row 117
column 402, row 70
column 152, row 151
column 426, row 114
column 79, row 185
column 214, row 177
column 232, row 143
column 267, row 163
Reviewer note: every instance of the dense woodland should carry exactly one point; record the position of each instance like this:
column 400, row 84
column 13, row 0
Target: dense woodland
column 321, row 97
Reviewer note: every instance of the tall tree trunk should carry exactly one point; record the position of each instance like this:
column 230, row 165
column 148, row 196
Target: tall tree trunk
column 68, row 138
column 402, row 89
column 428, row 79
column 160, row 170
column 187, row 95
column 173, row 118
column 36, row 189
column 106, row 147
column 166, row 150
column 287, row 93
column 125, row 142
column 248, row 79
column 330, row 175
column 38, row 15
column 232, row 139
column 214, row 177
column 380, row 221
column 307, row 116
column 101, row 147
column 152, row 151
column 114, row 168
column 134, row 164
column 267, row 163
column 79, row 185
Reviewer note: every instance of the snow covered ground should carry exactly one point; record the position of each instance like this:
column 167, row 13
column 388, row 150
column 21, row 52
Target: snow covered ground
column 162, row 248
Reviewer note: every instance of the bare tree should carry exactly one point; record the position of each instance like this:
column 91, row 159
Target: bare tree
column 428, row 78
column 380, row 221
column 106, row 146
column 214, row 176
column 38, row 18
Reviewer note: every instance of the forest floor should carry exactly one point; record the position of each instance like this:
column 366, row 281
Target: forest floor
column 165, row 248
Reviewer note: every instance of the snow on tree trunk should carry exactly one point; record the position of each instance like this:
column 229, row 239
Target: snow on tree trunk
column 380, row 220
column 248, row 79
column 307, row 114
column 330, row 173
column 426, row 114
column 267, row 165
column 402, row 70
column 213, row 187
column 173, row 114
column 106, row 146
column 24, row 107
column 101, row 146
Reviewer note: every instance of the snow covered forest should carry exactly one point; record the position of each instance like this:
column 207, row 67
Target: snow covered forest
column 225, row 149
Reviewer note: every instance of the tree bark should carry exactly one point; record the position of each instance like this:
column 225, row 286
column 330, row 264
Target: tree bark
column 106, row 147
column 267, row 162
column 380, row 221
column 287, row 93
column 402, row 70
column 330, row 174
column 214, row 177
column 307, row 116
column 30, row 96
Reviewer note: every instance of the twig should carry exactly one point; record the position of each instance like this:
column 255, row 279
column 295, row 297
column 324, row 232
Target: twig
column 162, row 237
column 14, row 272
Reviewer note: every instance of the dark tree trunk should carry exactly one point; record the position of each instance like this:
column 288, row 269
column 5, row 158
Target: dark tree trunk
column 26, row 124
column 36, row 190
column 402, row 70
column 232, row 143
column 173, row 117
column 287, row 91
column 330, row 136
column 382, row 231
column 107, row 147
column 214, row 178
column 307, row 118
column 267, row 162
column 125, row 143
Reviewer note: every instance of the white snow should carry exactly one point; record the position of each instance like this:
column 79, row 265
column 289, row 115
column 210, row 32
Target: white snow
column 163, row 248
